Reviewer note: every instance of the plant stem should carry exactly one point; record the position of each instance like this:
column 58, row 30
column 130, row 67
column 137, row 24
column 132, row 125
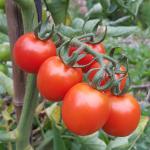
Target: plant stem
column 25, row 123
column 15, row 29
column 29, row 17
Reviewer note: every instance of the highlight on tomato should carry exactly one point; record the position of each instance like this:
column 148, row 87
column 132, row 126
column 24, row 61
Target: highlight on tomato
column 88, row 58
column 30, row 52
column 84, row 110
column 124, row 116
column 55, row 78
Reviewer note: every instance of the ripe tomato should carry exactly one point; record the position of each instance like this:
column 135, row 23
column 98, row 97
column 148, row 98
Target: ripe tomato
column 106, row 78
column 29, row 52
column 88, row 58
column 124, row 116
column 55, row 78
column 84, row 109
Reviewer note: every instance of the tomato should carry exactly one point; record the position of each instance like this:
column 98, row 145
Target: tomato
column 124, row 116
column 106, row 78
column 84, row 109
column 55, row 78
column 3, row 68
column 4, row 52
column 29, row 52
column 88, row 58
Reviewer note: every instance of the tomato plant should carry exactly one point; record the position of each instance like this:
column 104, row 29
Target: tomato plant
column 88, row 58
column 55, row 78
column 124, row 116
column 30, row 52
column 84, row 109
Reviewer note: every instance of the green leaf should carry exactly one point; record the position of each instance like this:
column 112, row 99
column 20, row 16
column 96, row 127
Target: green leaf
column 58, row 141
column 131, row 6
column 54, row 112
column 46, row 143
column 92, row 142
column 95, row 11
column 91, row 25
column 69, row 31
column 145, row 13
column 138, row 132
column 59, row 10
column 121, row 30
column 78, row 23
column 120, row 143
column 7, row 83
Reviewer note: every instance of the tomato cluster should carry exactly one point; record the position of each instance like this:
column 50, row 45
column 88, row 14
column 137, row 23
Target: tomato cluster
column 84, row 109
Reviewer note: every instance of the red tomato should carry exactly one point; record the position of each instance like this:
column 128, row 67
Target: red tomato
column 54, row 78
column 106, row 78
column 124, row 116
column 88, row 58
column 84, row 109
column 29, row 52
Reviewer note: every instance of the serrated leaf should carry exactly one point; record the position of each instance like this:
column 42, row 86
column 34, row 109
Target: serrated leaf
column 59, row 10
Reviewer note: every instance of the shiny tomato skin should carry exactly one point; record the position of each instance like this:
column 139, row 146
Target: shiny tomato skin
column 55, row 78
column 84, row 109
column 88, row 58
column 29, row 52
column 124, row 116
column 106, row 78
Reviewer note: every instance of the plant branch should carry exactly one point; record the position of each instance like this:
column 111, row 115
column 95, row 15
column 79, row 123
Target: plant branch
column 30, row 103
column 15, row 29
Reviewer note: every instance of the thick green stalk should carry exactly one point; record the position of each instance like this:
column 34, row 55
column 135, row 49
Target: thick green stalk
column 30, row 20
column 25, row 123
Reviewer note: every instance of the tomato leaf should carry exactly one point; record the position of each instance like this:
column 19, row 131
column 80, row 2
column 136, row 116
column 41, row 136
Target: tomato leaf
column 53, row 112
column 46, row 143
column 59, row 10
column 92, row 142
column 121, row 30
column 58, row 141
